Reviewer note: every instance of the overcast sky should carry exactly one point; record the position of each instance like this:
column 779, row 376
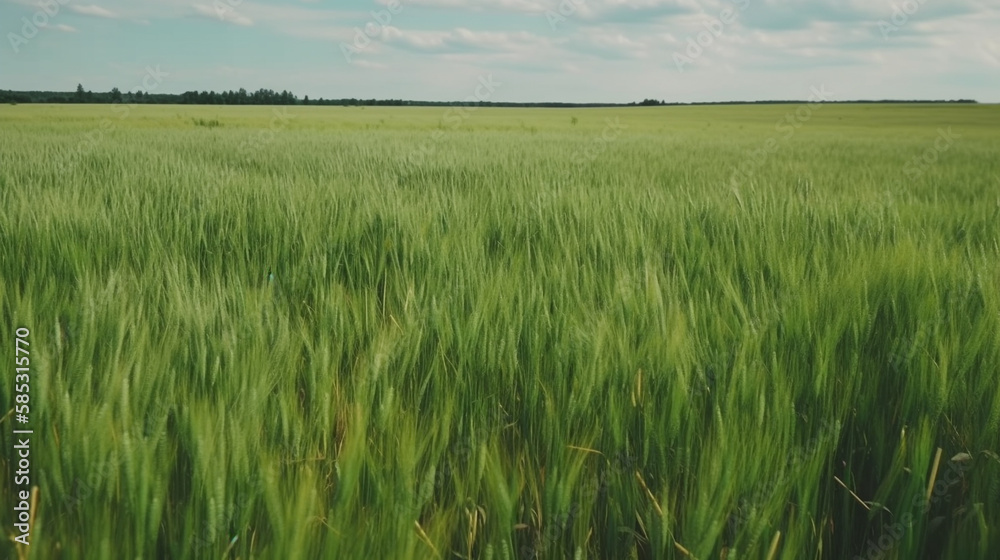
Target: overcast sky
column 531, row 50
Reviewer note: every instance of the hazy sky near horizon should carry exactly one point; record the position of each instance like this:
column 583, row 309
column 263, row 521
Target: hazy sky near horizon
column 544, row 50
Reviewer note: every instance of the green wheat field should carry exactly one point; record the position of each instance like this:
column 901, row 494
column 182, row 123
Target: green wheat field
column 725, row 332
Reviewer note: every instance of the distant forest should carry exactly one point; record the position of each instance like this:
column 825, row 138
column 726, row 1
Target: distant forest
column 271, row 97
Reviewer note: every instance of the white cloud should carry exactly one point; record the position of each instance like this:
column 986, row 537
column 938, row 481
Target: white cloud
column 93, row 10
column 222, row 12
column 465, row 40
column 991, row 52
column 516, row 6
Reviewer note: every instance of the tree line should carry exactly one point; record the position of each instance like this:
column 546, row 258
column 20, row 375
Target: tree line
column 270, row 97
column 238, row 97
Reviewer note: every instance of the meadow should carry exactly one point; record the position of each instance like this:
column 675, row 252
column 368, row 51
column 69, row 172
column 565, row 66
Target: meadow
column 656, row 332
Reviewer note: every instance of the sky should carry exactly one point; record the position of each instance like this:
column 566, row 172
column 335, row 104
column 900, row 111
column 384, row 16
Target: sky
column 510, row 50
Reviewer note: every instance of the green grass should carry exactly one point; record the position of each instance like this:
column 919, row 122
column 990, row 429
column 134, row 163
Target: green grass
column 503, row 349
